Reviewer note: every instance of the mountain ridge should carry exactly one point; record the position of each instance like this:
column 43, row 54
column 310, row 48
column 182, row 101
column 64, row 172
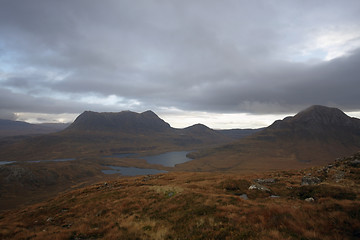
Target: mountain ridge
column 313, row 136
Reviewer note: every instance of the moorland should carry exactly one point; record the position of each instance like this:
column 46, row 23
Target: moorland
column 296, row 179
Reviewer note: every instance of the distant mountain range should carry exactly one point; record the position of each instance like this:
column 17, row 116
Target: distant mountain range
column 15, row 128
column 95, row 134
column 314, row 136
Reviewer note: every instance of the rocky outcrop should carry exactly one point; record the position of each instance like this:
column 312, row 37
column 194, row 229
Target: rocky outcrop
column 308, row 180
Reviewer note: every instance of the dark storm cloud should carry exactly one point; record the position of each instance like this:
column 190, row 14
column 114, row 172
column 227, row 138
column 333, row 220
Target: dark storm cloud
column 216, row 56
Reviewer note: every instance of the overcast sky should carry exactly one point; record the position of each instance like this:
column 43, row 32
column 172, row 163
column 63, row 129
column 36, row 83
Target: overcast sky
column 227, row 64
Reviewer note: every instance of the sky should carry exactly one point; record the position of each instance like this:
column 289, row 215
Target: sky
column 226, row 64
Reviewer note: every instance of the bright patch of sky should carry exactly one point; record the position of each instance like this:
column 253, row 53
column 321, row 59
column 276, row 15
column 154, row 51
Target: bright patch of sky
column 327, row 44
column 45, row 118
column 111, row 100
column 181, row 119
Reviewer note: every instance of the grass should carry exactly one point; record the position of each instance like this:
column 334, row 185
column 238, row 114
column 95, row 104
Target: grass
column 182, row 205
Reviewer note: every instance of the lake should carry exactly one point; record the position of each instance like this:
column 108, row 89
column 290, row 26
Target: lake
column 168, row 159
column 38, row 161
column 5, row 162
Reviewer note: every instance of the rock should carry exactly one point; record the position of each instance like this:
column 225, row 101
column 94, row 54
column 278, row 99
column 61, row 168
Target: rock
column 274, row 196
column 307, row 180
column 265, row 181
column 355, row 163
column 243, row 196
column 257, row 186
column 310, row 199
column 339, row 176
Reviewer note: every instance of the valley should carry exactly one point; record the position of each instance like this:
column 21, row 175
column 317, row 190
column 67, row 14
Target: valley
column 144, row 179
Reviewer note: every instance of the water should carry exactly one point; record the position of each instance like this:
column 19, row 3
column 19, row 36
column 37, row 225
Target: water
column 132, row 171
column 6, row 162
column 38, row 161
column 169, row 159
column 53, row 160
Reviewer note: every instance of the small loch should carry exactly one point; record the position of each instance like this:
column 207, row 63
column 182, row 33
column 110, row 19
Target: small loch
column 168, row 159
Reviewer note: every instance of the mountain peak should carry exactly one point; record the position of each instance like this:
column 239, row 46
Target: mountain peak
column 149, row 113
column 318, row 119
column 125, row 121
column 322, row 115
column 199, row 126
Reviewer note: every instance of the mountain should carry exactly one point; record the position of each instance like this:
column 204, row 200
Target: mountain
column 17, row 128
column 98, row 134
column 318, row 119
column 126, row 121
column 314, row 136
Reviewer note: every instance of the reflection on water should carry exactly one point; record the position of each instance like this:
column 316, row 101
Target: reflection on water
column 132, row 171
column 168, row 159
column 5, row 162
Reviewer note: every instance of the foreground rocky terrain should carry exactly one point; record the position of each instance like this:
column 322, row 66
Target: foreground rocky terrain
column 314, row 203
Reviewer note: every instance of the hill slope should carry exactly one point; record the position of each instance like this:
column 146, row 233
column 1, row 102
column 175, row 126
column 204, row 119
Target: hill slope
column 277, row 205
column 313, row 136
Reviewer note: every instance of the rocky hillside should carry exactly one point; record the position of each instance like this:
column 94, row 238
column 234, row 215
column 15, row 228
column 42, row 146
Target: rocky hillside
column 314, row 203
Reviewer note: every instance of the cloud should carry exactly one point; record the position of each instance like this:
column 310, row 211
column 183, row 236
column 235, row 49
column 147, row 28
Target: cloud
column 258, row 57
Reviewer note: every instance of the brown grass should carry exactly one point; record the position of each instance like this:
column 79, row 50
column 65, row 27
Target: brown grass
column 196, row 206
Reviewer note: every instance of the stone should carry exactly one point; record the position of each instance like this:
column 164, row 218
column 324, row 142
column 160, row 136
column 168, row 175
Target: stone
column 339, row 176
column 310, row 199
column 355, row 163
column 265, row 181
column 307, row 180
column 243, row 196
column 257, row 186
